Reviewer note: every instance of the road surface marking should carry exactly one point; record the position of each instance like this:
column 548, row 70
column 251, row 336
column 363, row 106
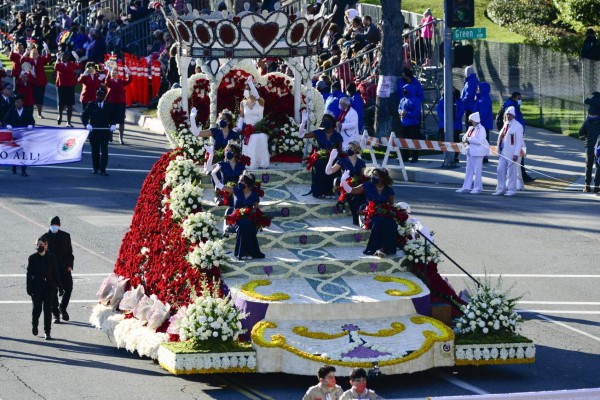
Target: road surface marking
column 156, row 157
column 593, row 312
column 145, row 171
column 525, row 275
column 570, row 328
column 571, row 303
column 458, row 382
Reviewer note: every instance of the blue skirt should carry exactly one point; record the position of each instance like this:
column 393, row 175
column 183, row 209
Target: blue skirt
column 322, row 184
column 246, row 243
column 384, row 232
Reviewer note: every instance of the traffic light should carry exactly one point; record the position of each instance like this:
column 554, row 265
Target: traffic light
column 461, row 13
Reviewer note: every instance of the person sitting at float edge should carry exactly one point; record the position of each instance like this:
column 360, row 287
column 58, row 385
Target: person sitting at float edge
column 19, row 117
column 326, row 388
column 96, row 119
column 327, row 139
column 358, row 380
column 221, row 135
column 347, row 122
column 378, row 190
column 230, row 169
column 246, row 195
column 356, row 166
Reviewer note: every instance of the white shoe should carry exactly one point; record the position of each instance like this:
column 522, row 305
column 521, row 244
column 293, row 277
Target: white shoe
column 498, row 193
column 462, row 190
column 475, row 191
column 510, row 193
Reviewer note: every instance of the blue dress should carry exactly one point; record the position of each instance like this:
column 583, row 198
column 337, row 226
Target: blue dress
column 246, row 243
column 384, row 231
column 229, row 174
column 322, row 184
column 355, row 201
column 219, row 141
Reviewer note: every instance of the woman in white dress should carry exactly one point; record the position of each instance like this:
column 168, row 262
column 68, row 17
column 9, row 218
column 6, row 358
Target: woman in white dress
column 256, row 145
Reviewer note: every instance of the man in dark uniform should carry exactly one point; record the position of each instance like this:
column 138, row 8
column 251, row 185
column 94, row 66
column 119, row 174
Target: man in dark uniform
column 7, row 101
column 97, row 120
column 19, row 117
column 42, row 281
column 59, row 244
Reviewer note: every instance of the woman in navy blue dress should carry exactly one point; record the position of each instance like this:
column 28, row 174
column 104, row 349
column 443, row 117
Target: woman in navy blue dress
column 246, row 196
column 384, row 230
column 221, row 135
column 229, row 170
column 327, row 139
column 356, row 166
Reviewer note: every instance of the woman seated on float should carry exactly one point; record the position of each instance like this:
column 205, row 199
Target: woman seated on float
column 221, row 135
column 227, row 171
column 245, row 216
column 356, row 166
column 256, row 144
column 379, row 212
column 327, row 139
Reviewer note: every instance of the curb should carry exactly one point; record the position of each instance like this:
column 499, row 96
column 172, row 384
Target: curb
column 153, row 125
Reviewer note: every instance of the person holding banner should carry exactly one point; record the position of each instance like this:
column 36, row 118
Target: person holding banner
column 19, row 117
column 65, row 86
column 38, row 63
column 7, row 101
column 90, row 83
column 115, row 98
column 97, row 120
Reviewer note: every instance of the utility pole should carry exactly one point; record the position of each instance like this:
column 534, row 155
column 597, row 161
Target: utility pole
column 448, row 96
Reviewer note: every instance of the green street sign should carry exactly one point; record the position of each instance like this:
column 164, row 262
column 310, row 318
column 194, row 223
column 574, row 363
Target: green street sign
column 468, row 34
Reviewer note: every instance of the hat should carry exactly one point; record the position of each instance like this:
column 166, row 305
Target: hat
column 55, row 221
column 475, row 117
column 510, row 110
column 469, row 70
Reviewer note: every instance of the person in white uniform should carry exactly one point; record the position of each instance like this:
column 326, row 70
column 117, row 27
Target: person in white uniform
column 347, row 122
column 510, row 144
column 477, row 148
column 251, row 111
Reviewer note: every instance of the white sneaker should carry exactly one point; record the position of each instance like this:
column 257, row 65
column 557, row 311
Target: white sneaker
column 498, row 193
column 475, row 191
column 510, row 193
column 462, row 190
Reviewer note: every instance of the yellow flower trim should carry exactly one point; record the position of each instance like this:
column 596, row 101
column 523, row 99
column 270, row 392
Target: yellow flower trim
column 496, row 361
column 396, row 328
column 413, row 288
column 207, row 371
column 249, row 290
column 279, row 341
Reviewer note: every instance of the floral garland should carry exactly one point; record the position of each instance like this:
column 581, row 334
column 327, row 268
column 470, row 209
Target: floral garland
column 200, row 227
column 316, row 156
column 206, row 363
column 495, row 354
column 385, row 210
column 249, row 289
column 286, row 140
column 254, row 214
column 199, row 94
column 184, row 200
column 181, row 170
column 413, row 288
column 207, row 255
column 418, row 250
column 396, row 328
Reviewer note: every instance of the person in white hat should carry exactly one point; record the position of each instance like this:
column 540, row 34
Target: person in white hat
column 477, row 148
column 510, row 144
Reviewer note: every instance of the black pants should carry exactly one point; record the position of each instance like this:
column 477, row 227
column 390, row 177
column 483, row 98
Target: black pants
column 42, row 300
column 99, row 143
column 590, row 159
column 23, row 169
column 67, row 283
column 410, row 132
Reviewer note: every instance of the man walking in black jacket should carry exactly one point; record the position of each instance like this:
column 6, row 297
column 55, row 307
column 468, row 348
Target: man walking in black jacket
column 590, row 131
column 59, row 244
column 42, row 281
column 97, row 120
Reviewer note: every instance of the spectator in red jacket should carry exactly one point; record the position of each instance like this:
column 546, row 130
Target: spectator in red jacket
column 65, row 86
column 24, row 87
column 38, row 62
column 115, row 98
column 16, row 57
column 90, row 81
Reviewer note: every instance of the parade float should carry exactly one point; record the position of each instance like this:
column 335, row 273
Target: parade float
column 177, row 295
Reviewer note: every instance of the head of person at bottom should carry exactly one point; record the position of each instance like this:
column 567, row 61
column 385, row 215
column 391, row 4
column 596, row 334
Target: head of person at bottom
column 475, row 119
column 55, row 224
column 326, row 375
column 41, row 245
column 328, row 121
column 344, row 103
column 246, row 181
column 100, row 95
column 358, row 380
column 18, row 102
column 232, row 151
column 380, row 177
column 353, row 149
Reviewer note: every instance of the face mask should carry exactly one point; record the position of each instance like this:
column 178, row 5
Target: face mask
column 53, row 228
column 519, row 102
column 241, row 186
column 360, row 387
column 350, row 152
column 222, row 123
column 40, row 249
column 229, row 155
column 374, row 180
column 246, row 93
column 327, row 124
column 331, row 382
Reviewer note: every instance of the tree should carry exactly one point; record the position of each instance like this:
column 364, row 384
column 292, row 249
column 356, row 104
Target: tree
column 386, row 109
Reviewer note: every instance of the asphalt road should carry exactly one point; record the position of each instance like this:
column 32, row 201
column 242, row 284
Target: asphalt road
column 546, row 244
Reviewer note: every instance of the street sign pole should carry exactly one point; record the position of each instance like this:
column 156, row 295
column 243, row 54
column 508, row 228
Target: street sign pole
column 448, row 97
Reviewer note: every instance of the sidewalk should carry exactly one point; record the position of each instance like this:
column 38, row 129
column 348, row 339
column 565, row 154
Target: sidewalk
column 556, row 161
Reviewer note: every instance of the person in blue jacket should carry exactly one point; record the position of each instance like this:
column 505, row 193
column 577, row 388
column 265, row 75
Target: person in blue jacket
column 410, row 118
column 469, row 92
column 357, row 103
column 408, row 78
column 483, row 105
column 459, row 110
column 515, row 100
column 332, row 105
